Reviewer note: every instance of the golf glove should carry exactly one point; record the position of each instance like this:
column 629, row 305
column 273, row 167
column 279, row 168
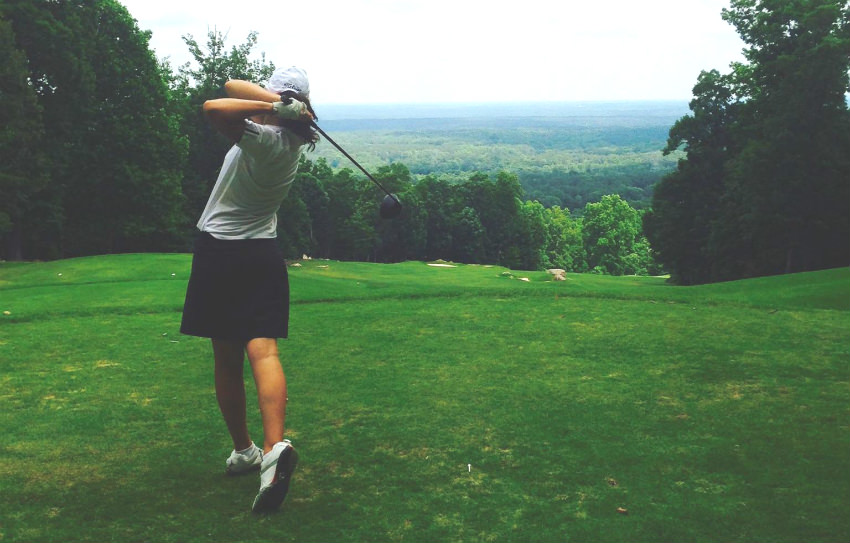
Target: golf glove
column 292, row 110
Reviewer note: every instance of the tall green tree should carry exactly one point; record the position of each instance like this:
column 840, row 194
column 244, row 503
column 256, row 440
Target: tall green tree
column 467, row 236
column 294, row 223
column 687, row 203
column 303, row 226
column 442, row 204
column 532, row 238
column 115, row 155
column 352, row 216
column 498, row 203
column 565, row 246
column 610, row 228
column 765, row 185
column 792, row 175
column 23, row 168
column 404, row 237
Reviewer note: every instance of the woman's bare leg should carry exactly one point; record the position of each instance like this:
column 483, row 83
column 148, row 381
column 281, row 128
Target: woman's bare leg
column 230, row 389
column 271, row 388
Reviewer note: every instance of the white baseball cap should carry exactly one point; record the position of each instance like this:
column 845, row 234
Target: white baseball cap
column 292, row 78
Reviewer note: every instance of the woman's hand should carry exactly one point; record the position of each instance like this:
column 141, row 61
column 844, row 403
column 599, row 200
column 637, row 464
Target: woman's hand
column 292, row 110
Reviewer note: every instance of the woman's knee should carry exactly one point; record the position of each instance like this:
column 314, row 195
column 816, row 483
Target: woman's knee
column 262, row 349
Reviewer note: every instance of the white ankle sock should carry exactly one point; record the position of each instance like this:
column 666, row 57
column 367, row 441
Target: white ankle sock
column 246, row 451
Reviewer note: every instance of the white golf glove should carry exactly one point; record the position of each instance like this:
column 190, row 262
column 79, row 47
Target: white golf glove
column 293, row 110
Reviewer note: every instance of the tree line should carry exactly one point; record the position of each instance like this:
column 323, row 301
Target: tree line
column 485, row 219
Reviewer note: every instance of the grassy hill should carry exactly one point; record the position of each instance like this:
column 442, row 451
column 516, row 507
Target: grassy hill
column 433, row 404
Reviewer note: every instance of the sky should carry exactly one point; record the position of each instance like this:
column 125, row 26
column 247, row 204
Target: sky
column 467, row 51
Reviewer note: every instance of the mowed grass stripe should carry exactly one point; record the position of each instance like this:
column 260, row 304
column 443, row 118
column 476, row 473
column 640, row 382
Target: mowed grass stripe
column 128, row 284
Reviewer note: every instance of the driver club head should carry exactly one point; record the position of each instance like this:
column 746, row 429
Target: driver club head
column 390, row 207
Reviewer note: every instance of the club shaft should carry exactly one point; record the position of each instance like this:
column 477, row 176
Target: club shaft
column 349, row 157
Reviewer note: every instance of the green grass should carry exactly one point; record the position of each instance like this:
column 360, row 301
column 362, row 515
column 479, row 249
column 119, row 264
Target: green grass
column 433, row 404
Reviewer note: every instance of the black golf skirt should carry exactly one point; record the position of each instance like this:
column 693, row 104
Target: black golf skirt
column 238, row 290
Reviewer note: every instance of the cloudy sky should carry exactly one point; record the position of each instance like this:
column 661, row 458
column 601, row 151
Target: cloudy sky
column 431, row 51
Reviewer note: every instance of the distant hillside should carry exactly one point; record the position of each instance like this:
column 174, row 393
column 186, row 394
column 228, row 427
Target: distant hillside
column 565, row 154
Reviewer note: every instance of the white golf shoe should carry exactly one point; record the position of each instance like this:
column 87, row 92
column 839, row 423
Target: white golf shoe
column 246, row 461
column 275, row 476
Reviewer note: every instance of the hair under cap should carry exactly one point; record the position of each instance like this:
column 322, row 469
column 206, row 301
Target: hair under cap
column 292, row 78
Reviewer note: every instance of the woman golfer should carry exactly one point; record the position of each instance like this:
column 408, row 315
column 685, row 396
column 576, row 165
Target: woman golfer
column 238, row 293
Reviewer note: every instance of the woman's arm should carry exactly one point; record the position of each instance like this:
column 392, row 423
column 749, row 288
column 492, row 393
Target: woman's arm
column 245, row 100
column 236, row 88
column 228, row 115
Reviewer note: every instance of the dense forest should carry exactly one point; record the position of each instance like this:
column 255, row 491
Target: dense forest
column 104, row 149
column 564, row 154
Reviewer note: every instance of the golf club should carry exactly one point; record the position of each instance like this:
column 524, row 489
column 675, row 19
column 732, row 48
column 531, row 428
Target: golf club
column 391, row 206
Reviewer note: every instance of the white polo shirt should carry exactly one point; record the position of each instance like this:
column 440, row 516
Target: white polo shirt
column 254, row 179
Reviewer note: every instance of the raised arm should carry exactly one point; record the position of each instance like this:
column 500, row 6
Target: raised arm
column 248, row 100
column 228, row 115
column 237, row 88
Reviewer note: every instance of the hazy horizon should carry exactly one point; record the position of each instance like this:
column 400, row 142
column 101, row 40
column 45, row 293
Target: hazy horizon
column 565, row 108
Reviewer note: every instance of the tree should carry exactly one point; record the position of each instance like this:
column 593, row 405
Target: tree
column 309, row 234
column 117, row 158
column 498, row 205
column 565, row 247
column 442, row 204
column 24, row 170
column 402, row 238
column 138, row 158
column 792, row 175
column 405, row 237
column 611, row 228
column 468, row 236
column 687, row 203
column 532, row 238
column 294, row 224
column 351, row 217
column 56, row 75
column 765, row 185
